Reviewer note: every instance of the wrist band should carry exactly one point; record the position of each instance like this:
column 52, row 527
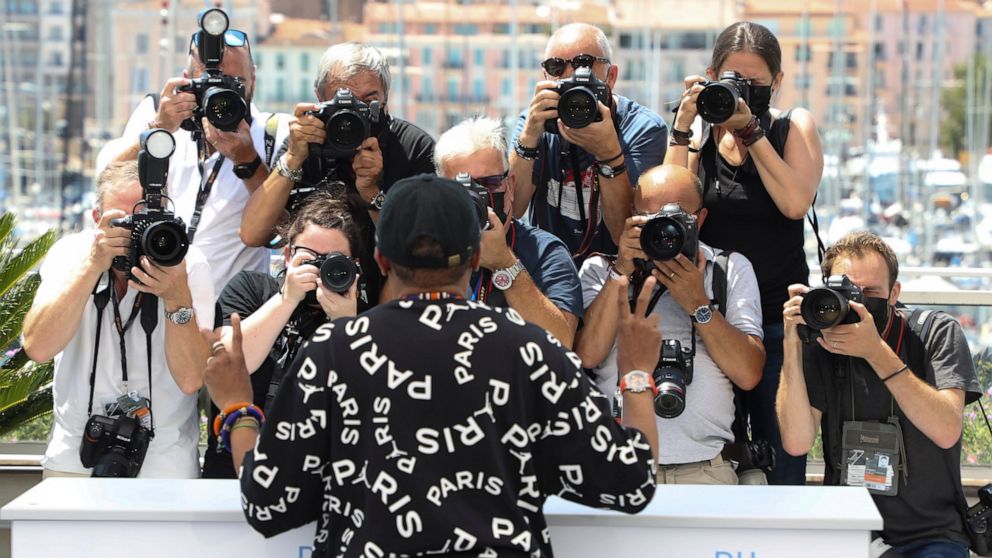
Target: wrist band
column 904, row 368
column 614, row 273
column 528, row 153
column 226, row 420
column 284, row 170
column 750, row 133
column 611, row 159
column 676, row 133
column 675, row 141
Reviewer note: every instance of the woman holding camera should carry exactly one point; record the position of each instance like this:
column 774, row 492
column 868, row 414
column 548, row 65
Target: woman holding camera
column 277, row 317
column 760, row 170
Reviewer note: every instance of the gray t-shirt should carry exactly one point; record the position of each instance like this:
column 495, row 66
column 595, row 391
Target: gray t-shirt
column 701, row 431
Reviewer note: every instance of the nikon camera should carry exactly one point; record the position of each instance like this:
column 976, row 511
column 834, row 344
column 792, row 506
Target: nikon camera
column 671, row 376
column 114, row 445
column 155, row 231
column 670, row 232
column 337, row 273
column 578, row 106
column 718, row 100
column 219, row 97
column 347, row 121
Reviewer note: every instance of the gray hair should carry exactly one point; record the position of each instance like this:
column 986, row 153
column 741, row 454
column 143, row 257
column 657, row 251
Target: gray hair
column 347, row 60
column 469, row 136
column 582, row 28
column 116, row 177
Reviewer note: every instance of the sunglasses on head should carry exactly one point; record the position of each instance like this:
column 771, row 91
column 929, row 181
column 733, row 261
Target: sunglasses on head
column 555, row 67
column 232, row 38
column 493, row 182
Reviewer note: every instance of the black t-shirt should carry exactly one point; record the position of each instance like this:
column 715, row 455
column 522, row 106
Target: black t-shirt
column 437, row 426
column 926, row 505
column 743, row 217
column 247, row 292
column 406, row 151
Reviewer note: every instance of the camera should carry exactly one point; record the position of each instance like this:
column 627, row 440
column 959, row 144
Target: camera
column 717, row 102
column 578, row 106
column 347, row 121
column 337, row 273
column 484, row 199
column 671, row 376
column 115, row 445
column 219, row 97
column 155, row 231
column 670, row 232
column 827, row 306
column 978, row 522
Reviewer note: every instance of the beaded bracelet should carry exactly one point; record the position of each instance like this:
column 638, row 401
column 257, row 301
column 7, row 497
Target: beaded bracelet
column 226, row 419
column 224, row 440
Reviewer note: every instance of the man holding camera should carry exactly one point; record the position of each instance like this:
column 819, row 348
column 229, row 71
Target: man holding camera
column 523, row 267
column 578, row 178
column 210, row 190
column 347, row 145
column 441, row 440
column 111, row 362
column 873, row 374
column 697, row 396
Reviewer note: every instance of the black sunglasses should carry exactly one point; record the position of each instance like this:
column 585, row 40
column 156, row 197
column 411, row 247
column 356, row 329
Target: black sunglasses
column 232, row 38
column 555, row 67
column 493, row 182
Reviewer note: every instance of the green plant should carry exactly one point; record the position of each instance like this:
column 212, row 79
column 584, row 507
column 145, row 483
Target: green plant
column 25, row 386
column 976, row 440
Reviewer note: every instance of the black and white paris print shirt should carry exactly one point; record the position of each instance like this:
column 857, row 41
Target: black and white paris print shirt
column 437, row 427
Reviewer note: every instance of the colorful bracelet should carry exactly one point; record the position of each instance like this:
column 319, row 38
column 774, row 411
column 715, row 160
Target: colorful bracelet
column 232, row 415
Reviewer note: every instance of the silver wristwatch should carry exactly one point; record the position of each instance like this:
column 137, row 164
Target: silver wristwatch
column 503, row 278
column 703, row 314
column 284, row 170
column 377, row 201
column 181, row 316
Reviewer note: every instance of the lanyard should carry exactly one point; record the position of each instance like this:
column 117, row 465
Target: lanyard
column 122, row 327
column 204, row 192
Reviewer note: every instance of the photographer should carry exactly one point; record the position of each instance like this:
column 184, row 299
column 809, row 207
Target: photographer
column 311, row 158
column 877, row 371
column 605, row 158
column 523, row 267
column 760, row 169
column 388, row 424
column 691, row 438
column 210, row 194
column 279, row 316
column 64, row 323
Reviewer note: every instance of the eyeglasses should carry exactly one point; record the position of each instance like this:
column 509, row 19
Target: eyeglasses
column 555, row 67
column 296, row 248
column 232, row 38
column 493, row 182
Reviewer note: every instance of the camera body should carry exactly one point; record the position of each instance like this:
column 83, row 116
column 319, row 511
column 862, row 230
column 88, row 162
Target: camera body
column 577, row 105
column 671, row 376
column 484, row 199
column 219, row 97
column 337, row 273
column 827, row 306
column 114, row 446
column 670, row 232
column 978, row 522
column 718, row 100
column 347, row 121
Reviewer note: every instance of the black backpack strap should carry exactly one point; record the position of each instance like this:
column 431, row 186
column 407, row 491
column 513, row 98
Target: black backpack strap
column 719, row 283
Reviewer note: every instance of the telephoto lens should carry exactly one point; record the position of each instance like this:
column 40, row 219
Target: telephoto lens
column 718, row 100
column 827, row 306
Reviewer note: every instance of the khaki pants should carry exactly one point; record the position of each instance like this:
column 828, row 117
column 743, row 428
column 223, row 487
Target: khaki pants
column 49, row 474
column 711, row 471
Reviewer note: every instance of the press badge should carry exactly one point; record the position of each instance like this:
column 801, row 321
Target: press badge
column 872, row 452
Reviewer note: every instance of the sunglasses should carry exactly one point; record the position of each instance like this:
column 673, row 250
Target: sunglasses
column 555, row 67
column 493, row 182
column 232, row 38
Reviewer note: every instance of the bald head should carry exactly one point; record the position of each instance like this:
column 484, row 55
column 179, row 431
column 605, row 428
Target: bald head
column 589, row 39
column 667, row 184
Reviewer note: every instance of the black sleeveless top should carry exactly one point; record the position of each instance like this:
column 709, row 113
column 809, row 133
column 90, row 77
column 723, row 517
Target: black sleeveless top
column 743, row 217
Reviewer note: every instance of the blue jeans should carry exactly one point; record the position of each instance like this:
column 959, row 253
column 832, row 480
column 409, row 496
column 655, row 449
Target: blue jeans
column 941, row 548
column 759, row 404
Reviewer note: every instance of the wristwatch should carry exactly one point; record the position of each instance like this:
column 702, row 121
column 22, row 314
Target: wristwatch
column 284, row 170
column 703, row 314
column 503, row 278
column 377, row 201
column 637, row 381
column 181, row 316
column 246, row 170
column 608, row 171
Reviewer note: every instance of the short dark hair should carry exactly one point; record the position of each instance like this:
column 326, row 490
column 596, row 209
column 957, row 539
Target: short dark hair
column 859, row 244
column 327, row 213
column 429, row 277
column 745, row 36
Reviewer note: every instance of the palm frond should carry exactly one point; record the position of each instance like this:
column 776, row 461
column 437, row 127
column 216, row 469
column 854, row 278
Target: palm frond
column 14, row 264
column 7, row 223
column 14, row 305
column 18, row 385
column 36, row 404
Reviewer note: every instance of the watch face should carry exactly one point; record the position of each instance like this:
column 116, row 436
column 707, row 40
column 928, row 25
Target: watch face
column 704, row 314
column 378, row 200
column 502, row 279
column 182, row 316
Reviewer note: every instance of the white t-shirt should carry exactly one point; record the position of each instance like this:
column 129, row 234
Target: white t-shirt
column 173, row 451
column 217, row 233
column 703, row 428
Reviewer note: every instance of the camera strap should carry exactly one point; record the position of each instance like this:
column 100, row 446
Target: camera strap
column 206, row 185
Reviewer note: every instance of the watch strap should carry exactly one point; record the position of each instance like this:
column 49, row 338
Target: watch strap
column 246, row 170
column 284, row 170
column 637, row 381
column 377, row 201
column 181, row 316
column 529, row 153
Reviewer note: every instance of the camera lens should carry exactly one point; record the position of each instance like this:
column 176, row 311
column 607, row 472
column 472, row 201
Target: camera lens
column 823, row 308
column 717, row 102
column 662, row 238
column 670, row 401
column 338, row 272
column 224, row 108
column 165, row 242
column 346, row 130
column 577, row 107
column 114, row 464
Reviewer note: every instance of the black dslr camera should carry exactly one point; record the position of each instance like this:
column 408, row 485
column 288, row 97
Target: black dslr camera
column 670, row 232
column 578, row 106
column 671, row 376
column 155, row 231
column 717, row 102
column 347, row 121
column 827, row 306
column 115, row 445
column 978, row 522
column 337, row 273
column 219, row 97
column 484, row 199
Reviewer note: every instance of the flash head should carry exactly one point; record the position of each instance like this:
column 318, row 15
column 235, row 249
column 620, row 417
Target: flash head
column 214, row 21
column 158, row 143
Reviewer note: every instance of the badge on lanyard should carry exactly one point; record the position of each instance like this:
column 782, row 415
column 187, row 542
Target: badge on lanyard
column 873, row 456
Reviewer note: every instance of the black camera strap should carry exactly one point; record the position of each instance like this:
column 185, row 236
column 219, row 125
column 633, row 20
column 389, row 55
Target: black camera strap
column 206, row 185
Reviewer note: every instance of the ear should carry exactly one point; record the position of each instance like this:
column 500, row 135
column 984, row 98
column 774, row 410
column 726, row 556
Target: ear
column 96, row 214
column 701, row 218
column 777, row 82
column 711, row 74
column 894, row 293
column 382, row 261
column 611, row 76
column 286, row 254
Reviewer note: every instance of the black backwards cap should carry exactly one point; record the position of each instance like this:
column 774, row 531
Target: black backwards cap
column 430, row 206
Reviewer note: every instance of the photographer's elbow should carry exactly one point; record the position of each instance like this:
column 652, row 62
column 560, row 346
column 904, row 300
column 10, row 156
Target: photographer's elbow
column 795, row 448
column 250, row 239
